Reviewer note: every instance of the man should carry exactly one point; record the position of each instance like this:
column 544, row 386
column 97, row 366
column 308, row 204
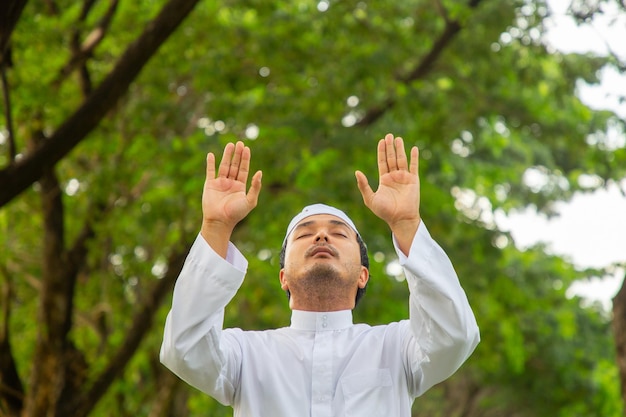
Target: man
column 323, row 364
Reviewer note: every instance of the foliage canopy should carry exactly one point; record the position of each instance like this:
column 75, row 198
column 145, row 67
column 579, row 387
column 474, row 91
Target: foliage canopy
column 90, row 250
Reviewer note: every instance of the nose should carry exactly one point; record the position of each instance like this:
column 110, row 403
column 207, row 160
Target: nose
column 321, row 235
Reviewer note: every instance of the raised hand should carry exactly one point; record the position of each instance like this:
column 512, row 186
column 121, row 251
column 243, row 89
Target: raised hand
column 397, row 199
column 225, row 201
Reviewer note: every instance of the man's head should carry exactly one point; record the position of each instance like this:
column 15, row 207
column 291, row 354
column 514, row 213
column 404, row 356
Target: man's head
column 324, row 262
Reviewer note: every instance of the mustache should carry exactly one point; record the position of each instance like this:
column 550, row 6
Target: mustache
column 321, row 247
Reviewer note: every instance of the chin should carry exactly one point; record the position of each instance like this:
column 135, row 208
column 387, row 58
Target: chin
column 324, row 272
column 324, row 281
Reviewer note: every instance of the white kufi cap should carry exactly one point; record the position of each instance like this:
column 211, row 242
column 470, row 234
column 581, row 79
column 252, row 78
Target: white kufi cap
column 315, row 209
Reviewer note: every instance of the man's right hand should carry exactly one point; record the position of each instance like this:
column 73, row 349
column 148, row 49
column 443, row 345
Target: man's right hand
column 225, row 201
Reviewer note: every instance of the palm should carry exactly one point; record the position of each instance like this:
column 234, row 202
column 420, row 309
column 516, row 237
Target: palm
column 224, row 198
column 397, row 197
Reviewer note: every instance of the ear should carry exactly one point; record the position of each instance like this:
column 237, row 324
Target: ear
column 283, row 281
column 363, row 277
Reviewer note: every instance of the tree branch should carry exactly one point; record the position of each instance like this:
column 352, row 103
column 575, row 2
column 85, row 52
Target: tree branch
column 141, row 323
column 11, row 388
column 19, row 175
column 56, row 287
column 11, row 12
column 53, row 9
column 48, row 374
column 8, row 117
column 167, row 383
column 81, row 52
column 452, row 28
column 619, row 333
column 77, row 255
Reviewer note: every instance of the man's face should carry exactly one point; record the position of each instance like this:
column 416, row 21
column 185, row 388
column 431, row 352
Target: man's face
column 323, row 265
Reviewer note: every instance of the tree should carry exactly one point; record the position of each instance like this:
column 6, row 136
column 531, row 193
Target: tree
column 59, row 369
column 100, row 195
column 619, row 328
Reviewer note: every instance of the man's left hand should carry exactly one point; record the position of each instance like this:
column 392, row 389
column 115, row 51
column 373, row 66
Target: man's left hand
column 397, row 199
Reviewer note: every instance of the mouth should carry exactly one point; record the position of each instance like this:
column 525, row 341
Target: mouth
column 321, row 252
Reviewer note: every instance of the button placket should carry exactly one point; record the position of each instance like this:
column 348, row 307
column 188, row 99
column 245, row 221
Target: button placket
column 322, row 372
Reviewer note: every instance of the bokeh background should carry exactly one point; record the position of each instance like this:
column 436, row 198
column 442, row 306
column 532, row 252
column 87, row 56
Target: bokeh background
column 109, row 108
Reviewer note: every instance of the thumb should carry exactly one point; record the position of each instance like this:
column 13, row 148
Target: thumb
column 364, row 187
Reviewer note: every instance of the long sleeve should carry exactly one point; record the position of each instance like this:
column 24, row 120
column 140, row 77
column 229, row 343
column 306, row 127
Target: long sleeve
column 444, row 331
column 193, row 347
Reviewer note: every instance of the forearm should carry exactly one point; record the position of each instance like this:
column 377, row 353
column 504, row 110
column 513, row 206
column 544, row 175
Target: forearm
column 206, row 284
column 441, row 318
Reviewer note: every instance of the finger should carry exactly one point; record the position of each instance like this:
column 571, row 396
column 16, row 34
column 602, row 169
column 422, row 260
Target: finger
column 225, row 162
column 244, row 167
column 415, row 153
column 401, row 159
column 392, row 162
column 210, row 166
column 383, row 168
column 364, row 187
column 255, row 189
column 233, row 172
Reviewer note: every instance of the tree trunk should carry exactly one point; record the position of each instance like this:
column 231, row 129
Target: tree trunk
column 48, row 374
column 619, row 331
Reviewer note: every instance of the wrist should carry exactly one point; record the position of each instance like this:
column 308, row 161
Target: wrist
column 217, row 234
column 217, row 226
column 405, row 225
column 404, row 232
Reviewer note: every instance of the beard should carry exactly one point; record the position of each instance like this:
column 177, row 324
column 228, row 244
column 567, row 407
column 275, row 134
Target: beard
column 322, row 285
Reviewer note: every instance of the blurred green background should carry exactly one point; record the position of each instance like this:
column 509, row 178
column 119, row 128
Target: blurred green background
column 89, row 251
